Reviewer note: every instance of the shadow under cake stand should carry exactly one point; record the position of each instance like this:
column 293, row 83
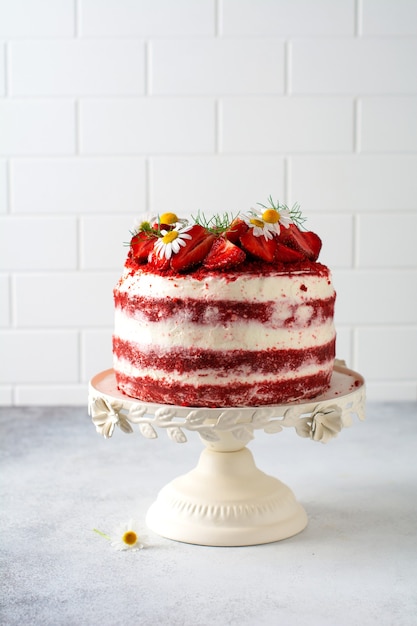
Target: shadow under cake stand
column 226, row 500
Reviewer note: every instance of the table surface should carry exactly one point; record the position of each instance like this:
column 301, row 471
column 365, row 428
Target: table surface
column 354, row 564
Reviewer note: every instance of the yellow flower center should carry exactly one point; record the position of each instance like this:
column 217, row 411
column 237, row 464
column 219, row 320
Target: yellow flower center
column 168, row 218
column 130, row 538
column 256, row 222
column 271, row 216
column 169, row 237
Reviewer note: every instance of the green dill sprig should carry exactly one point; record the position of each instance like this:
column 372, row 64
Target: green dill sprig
column 216, row 225
column 295, row 211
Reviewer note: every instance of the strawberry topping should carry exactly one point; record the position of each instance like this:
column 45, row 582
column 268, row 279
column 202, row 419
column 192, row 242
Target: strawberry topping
column 141, row 245
column 259, row 247
column 223, row 255
column 223, row 243
column 194, row 251
column 305, row 242
column 236, row 229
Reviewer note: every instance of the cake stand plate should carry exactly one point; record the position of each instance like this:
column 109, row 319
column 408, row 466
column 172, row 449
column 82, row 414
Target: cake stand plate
column 226, row 500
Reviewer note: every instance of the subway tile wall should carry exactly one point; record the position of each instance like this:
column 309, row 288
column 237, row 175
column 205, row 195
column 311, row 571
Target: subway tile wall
column 113, row 109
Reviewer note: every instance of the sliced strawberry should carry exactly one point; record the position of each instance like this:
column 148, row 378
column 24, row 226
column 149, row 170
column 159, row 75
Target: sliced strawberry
column 223, row 255
column 306, row 242
column 287, row 255
column 195, row 249
column 236, row 229
column 141, row 245
column 314, row 243
column 158, row 262
column 259, row 247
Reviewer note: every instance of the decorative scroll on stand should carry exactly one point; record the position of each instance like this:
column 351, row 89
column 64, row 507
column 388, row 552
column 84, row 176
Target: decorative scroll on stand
column 226, row 500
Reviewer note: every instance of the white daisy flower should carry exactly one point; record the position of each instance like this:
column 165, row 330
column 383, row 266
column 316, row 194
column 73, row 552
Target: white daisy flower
column 268, row 222
column 259, row 226
column 277, row 218
column 126, row 537
column 143, row 222
column 169, row 218
column 171, row 240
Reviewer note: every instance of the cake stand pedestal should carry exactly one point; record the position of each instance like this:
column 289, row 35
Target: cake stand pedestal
column 226, row 500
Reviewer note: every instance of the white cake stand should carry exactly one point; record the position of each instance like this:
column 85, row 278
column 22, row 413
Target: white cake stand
column 226, row 500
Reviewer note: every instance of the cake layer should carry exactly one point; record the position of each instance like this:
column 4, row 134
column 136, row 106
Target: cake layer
column 219, row 363
column 235, row 335
column 250, row 286
column 238, row 394
column 223, row 311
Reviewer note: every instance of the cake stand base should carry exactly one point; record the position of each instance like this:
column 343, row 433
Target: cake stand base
column 226, row 501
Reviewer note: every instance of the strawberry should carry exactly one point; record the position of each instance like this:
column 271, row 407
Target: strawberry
column 141, row 245
column 314, row 243
column 306, row 242
column 195, row 249
column 236, row 229
column 259, row 247
column 158, row 262
column 287, row 255
column 223, row 255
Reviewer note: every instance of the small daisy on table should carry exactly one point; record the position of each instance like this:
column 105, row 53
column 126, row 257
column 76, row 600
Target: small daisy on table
column 125, row 537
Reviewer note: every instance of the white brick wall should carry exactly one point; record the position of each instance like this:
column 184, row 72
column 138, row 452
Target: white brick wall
column 111, row 109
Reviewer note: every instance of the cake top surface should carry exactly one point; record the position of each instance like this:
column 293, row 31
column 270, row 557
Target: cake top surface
column 267, row 239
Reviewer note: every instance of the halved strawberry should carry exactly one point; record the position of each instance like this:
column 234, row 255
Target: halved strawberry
column 314, row 243
column 236, row 229
column 259, row 247
column 158, row 262
column 141, row 245
column 195, row 249
column 223, row 255
column 287, row 255
column 306, row 242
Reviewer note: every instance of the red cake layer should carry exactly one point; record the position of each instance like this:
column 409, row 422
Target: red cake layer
column 221, row 312
column 182, row 360
column 238, row 394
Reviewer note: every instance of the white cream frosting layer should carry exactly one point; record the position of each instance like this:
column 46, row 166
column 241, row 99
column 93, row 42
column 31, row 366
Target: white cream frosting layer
column 297, row 287
column 251, row 335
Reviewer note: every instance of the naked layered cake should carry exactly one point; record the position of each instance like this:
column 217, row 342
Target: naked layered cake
column 224, row 312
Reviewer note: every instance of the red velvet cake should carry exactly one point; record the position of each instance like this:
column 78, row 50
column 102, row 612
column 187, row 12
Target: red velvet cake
column 225, row 312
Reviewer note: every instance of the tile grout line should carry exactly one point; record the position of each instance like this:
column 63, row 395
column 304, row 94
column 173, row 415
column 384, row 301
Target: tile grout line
column 77, row 28
column 80, row 345
column 217, row 18
column 77, row 129
column 287, row 68
column 148, row 179
column 355, row 241
column 357, row 111
column 286, row 94
column 358, row 18
column 147, row 69
column 217, row 126
column 7, row 73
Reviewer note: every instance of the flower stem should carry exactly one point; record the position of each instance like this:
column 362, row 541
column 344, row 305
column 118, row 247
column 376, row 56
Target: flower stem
column 101, row 534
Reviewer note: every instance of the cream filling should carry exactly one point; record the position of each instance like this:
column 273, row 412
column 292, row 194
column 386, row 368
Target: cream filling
column 209, row 377
column 235, row 336
column 295, row 288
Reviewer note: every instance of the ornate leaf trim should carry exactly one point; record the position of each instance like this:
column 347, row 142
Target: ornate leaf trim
column 317, row 421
